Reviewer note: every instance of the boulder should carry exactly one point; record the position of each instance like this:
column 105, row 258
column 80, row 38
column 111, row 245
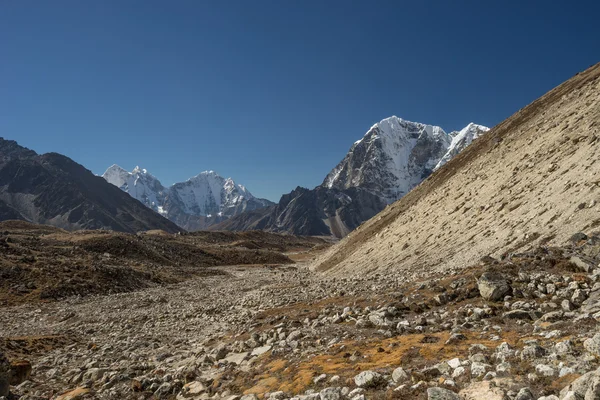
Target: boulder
column 493, row 286
column 437, row 393
column 260, row 350
column 367, row 379
column 593, row 344
column 330, row 393
column 399, row 375
column 480, row 391
column 586, row 387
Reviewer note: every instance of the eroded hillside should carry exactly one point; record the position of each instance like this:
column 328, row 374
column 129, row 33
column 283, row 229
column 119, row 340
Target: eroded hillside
column 532, row 179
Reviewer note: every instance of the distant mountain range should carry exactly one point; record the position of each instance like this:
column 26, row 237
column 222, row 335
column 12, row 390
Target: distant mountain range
column 393, row 157
column 53, row 189
column 195, row 204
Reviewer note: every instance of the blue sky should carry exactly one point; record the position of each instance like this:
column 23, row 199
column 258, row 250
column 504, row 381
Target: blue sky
column 271, row 93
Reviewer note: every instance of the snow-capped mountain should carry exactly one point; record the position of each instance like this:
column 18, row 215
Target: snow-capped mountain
column 197, row 203
column 460, row 140
column 396, row 155
column 140, row 184
column 392, row 158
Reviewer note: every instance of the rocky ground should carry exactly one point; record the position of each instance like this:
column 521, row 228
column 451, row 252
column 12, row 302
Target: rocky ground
column 521, row 327
column 43, row 263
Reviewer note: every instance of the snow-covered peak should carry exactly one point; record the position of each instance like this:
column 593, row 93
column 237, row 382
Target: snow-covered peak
column 138, row 183
column 394, row 156
column 460, row 140
column 203, row 195
column 116, row 175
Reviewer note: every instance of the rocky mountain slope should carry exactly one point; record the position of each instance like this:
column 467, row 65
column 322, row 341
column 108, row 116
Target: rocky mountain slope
column 195, row 204
column 53, row 189
column 532, row 179
column 394, row 156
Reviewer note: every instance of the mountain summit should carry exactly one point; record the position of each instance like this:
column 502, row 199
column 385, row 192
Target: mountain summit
column 395, row 155
column 197, row 203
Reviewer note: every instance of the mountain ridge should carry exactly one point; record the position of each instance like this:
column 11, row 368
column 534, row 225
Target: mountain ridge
column 194, row 204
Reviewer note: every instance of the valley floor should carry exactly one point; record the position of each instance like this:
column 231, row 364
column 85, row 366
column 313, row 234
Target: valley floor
column 520, row 328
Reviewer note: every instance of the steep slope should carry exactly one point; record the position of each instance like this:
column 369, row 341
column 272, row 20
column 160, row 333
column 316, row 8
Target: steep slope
column 195, row 204
column 532, row 179
column 394, row 156
column 53, row 189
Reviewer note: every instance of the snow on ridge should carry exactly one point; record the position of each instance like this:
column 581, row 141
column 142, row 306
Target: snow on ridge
column 207, row 193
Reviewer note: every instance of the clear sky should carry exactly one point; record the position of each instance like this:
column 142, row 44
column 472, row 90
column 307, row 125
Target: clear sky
column 270, row 93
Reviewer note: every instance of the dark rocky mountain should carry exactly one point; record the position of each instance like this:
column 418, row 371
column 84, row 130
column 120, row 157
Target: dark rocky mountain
column 320, row 211
column 53, row 189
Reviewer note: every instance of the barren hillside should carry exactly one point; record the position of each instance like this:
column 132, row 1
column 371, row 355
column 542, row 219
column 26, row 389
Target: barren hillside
column 532, row 179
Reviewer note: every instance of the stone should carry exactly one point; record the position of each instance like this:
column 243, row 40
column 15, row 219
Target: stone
column 517, row 314
column 454, row 363
column 330, row 393
column 592, row 304
column 581, row 263
column 368, row 379
column 193, row 388
column 94, row 374
column 532, row 351
column 480, row 391
column 458, row 372
column 544, row 370
column 236, row 358
column 565, row 371
column 163, row 391
column 564, row 347
column 437, row 393
column 479, row 369
column 249, row 397
column 399, row 375
column 279, row 395
column 260, row 350
column 319, row 379
column 593, row 344
column 524, row 394
column 586, row 387
column 493, row 286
